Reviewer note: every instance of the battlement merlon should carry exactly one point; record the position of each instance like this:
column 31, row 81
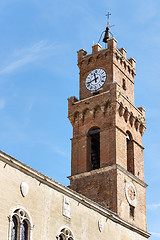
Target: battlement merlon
column 81, row 53
column 112, row 47
column 142, row 111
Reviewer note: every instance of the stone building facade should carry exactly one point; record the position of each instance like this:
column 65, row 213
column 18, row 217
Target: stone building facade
column 106, row 197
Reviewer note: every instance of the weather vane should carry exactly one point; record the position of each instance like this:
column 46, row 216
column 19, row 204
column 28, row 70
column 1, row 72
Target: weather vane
column 107, row 32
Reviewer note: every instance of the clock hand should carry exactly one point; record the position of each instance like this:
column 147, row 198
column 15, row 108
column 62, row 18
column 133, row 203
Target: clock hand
column 95, row 78
column 92, row 80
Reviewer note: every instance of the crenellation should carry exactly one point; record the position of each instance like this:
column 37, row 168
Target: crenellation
column 123, row 51
column 81, row 53
column 136, row 120
column 142, row 112
column 112, row 44
column 127, row 65
column 96, row 48
column 133, row 62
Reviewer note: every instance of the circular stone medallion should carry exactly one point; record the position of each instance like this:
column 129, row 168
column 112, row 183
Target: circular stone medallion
column 131, row 193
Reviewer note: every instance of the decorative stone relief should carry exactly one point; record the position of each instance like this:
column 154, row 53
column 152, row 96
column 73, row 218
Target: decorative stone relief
column 100, row 225
column 131, row 193
column 24, row 189
column 66, row 207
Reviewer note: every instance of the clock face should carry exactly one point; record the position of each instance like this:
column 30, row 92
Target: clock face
column 95, row 79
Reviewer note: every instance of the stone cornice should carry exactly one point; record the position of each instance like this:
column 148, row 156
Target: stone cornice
column 136, row 179
column 109, row 168
column 84, row 100
column 70, row 193
column 93, row 172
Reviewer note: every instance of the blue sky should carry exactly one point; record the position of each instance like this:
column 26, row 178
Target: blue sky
column 38, row 72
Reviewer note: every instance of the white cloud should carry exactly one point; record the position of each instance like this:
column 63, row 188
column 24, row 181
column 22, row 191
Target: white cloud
column 62, row 153
column 155, row 234
column 52, row 146
column 153, row 206
column 22, row 57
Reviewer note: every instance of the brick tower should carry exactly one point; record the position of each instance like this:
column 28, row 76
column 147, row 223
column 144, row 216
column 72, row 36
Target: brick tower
column 107, row 163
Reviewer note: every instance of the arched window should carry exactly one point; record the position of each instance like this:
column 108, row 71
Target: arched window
column 94, row 148
column 130, row 153
column 20, row 225
column 65, row 234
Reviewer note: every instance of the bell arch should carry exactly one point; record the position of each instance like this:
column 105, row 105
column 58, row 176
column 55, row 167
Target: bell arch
column 93, row 148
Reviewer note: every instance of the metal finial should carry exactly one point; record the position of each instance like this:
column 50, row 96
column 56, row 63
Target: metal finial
column 107, row 32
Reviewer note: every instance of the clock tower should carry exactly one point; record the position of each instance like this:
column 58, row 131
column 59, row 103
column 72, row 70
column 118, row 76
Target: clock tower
column 107, row 164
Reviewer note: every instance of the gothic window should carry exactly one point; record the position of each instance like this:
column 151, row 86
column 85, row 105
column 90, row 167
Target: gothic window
column 65, row 234
column 130, row 153
column 94, row 148
column 20, row 225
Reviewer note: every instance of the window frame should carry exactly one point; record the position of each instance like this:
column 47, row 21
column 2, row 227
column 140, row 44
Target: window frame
column 21, row 215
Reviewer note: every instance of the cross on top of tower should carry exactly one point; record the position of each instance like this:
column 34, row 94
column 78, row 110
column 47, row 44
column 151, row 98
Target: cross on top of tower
column 108, row 22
